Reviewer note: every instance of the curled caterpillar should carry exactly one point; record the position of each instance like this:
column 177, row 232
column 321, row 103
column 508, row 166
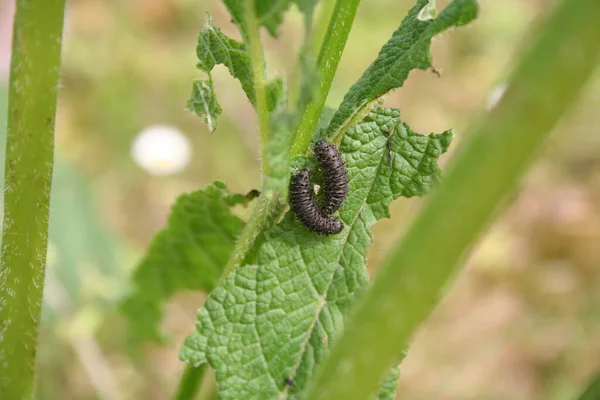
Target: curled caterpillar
column 335, row 178
column 304, row 205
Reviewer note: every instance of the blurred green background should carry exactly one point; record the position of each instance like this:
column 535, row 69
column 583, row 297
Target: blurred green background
column 522, row 320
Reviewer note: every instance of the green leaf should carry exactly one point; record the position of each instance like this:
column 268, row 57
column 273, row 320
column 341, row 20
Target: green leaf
column 387, row 390
column 406, row 50
column 203, row 102
column 276, row 320
column 268, row 12
column 189, row 253
column 278, row 177
column 214, row 48
column 389, row 385
column 276, row 94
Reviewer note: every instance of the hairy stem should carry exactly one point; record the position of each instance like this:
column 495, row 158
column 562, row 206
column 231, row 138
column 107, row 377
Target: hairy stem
column 313, row 41
column 29, row 161
column 327, row 63
column 321, row 27
column 258, row 74
column 267, row 208
column 545, row 84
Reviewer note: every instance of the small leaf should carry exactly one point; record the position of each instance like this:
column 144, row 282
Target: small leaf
column 276, row 94
column 406, row 50
column 203, row 102
column 215, row 48
column 306, row 6
column 389, row 385
column 189, row 253
column 276, row 320
column 387, row 390
column 268, row 12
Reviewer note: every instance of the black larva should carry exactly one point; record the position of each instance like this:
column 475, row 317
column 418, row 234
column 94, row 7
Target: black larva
column 304, row 205
column 335, row 178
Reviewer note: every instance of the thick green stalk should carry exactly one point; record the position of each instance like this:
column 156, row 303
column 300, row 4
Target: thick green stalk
column 313, row 41
column 28, row 177
column 327, row 63
column 189, row 384
column 258, row 73
column 547, row 81
column 320, row 30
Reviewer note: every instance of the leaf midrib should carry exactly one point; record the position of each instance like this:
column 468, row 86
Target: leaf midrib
column 322, row 301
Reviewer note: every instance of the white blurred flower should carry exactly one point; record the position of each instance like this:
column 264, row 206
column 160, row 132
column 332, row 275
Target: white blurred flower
column 496, row 95
column 161, row 150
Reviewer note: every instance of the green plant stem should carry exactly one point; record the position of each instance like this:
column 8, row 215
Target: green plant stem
column 189, row 384
column 318, row 37
column 267, row 208
column 33, row 86
column 327, row 63
column 546, row 82
column 258, row 74
column 313, row 41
